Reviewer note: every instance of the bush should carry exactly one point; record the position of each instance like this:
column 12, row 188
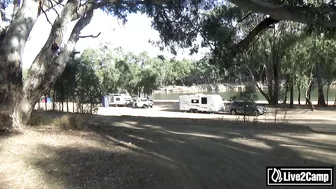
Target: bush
column 40, row 119
column 70, row 122
column 249, row 95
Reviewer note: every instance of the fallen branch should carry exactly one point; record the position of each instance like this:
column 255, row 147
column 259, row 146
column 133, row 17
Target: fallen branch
column 92, row 36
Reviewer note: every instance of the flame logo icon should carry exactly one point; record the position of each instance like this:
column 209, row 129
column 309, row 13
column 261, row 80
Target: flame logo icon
column 276, row 175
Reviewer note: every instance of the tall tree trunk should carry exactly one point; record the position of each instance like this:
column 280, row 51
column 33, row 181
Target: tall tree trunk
column 73, row 102
column 39, row 104
column 11, row 51
column 291, row 96
column 45, row 102
column 54, row 99
column 47, row 66
column 328, row 87
column 321, row 100
column 286, row 88
column 299, row 94
column 62, row 97
column 310, row 91
column 267, row 97
column 307, row 99
column 276, row 80
column 67, row 95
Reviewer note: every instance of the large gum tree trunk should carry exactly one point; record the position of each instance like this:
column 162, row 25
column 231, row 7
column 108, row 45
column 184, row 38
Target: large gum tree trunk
column 321, row 99
column 10, row 60
column 45, row 72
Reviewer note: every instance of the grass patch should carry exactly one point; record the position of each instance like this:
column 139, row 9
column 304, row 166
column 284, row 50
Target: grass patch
column 66, row 121
column 40, row 119
column 71, row 122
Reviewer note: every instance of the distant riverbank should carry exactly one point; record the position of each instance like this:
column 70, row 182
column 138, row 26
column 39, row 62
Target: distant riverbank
column 173, row 93
column 202, row 88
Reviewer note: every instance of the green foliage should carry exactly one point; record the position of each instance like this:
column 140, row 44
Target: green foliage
column 102, row 71
column 248, row 95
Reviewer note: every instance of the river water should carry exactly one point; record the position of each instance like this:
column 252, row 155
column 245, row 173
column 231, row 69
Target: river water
column 228, row 94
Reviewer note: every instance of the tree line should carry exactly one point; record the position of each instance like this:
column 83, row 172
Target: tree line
column 285, row 56
column 102, row 71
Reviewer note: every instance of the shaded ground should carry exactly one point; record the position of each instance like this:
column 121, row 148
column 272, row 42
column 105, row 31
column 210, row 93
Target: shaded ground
column 147, row 152
column 322, row 119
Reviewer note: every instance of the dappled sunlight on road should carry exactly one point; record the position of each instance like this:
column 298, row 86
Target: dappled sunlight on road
column 252, row 143
column 195, row 134
column 146, row 152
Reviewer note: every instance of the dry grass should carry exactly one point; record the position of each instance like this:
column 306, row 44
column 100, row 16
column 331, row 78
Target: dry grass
column 40, row 119
column 71, row 122
column 64, row 121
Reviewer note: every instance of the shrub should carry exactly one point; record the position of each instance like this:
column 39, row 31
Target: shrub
column 40, row 119
column 249, row 94
column 70, row 122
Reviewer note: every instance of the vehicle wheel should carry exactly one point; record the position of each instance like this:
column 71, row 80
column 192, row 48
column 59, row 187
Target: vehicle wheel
column 151, row 106
column 195, row 111
column 233, row 112
column 145, row 106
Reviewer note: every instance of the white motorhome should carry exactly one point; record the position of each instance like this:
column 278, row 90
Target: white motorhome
column 201, row 103
column 120, row 99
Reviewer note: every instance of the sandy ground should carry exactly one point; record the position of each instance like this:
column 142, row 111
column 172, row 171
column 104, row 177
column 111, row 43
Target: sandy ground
column 145, row 152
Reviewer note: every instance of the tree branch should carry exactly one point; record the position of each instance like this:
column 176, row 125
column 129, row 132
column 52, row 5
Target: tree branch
column 44, row 12
column 323, row 15
column 243, row 44
column 92, row 36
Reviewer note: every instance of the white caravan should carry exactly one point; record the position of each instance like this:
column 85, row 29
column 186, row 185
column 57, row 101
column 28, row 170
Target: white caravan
column 120, row 99
column 201, row 103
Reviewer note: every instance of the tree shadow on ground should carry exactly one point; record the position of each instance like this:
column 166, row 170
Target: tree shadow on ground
column 181, row 153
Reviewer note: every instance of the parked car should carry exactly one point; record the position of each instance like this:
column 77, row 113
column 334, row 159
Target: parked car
column 238, row 107
column 143, row 103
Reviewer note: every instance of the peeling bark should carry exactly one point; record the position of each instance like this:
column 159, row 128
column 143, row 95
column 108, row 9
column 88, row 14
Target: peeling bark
column 44, row 72
column 10, row 57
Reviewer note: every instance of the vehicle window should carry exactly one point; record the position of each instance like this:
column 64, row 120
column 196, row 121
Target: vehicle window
column 194, row 101
column 117, row 99
column 204, row 100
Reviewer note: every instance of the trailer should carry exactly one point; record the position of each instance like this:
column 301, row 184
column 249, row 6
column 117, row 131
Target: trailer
column 201, row 103
column 119, row 99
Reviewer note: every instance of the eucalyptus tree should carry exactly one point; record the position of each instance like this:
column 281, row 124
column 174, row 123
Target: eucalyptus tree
column 18, row 98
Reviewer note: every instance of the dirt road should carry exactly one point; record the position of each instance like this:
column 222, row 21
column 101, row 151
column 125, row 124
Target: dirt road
column 322, row 120
column 151, row 153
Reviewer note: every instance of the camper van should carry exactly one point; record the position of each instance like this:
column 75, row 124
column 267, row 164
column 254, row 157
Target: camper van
column 201, row 103
column 120, row 99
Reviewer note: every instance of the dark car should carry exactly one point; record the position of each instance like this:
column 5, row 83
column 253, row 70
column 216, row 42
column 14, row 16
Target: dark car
column 249, row 108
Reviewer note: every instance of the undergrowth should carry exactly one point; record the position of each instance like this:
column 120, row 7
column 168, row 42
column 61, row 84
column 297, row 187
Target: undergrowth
column 65, row 122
